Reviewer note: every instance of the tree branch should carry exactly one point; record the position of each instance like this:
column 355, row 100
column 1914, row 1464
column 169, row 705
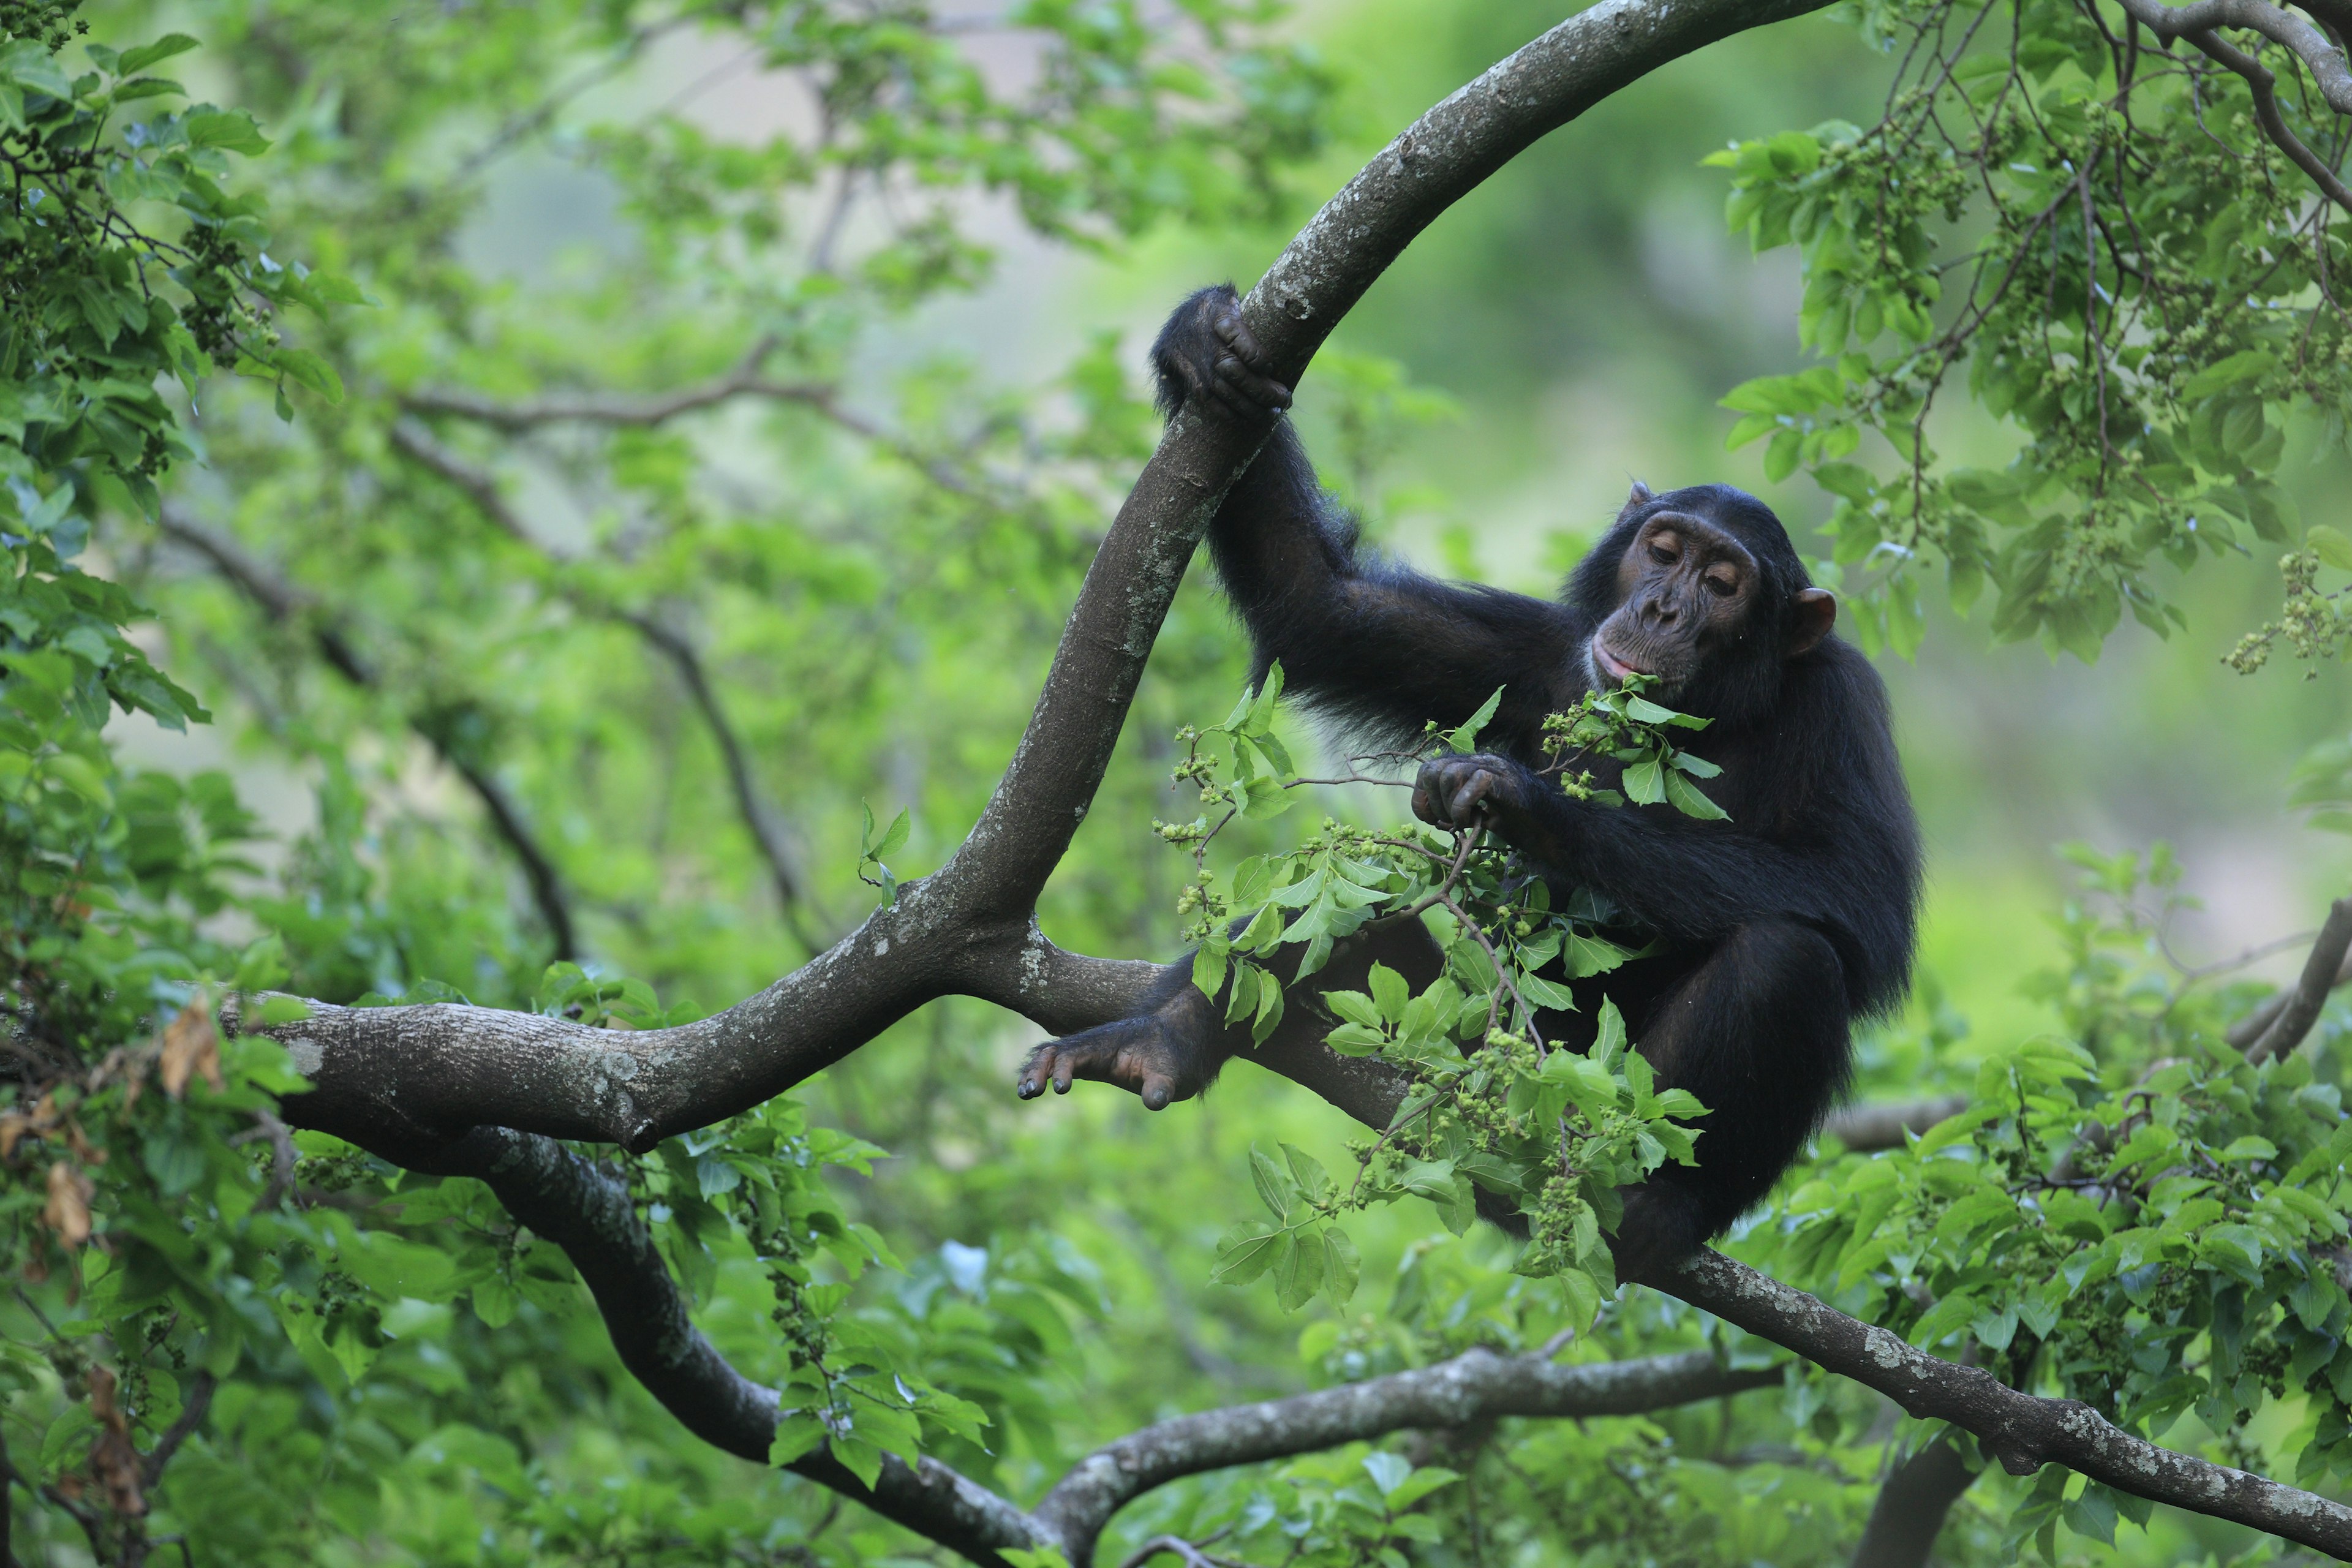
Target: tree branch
column 2309, row 44
column 1912, row 1506
column 743, row 380
column 1866, row 1128
column 2196, row 23
column 2249, row 1029
column 1475, row 1387
column 768, row 833
column 283, row 602
column 193, row 1411
column 2022, row 1431
column 2321, row 973
column 438, row 1071
column 587, row 1210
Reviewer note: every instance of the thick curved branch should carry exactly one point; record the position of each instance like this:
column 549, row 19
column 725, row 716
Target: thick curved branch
column 440, row 1069
column 2318, row 51
column 589, row 1213
column 283, row 601
column 1475, row 1387
column 2326, row 61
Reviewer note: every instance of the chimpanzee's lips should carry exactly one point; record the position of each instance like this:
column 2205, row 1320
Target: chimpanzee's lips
column 1610, row 665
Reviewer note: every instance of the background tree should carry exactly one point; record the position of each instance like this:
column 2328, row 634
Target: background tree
column 588, row 591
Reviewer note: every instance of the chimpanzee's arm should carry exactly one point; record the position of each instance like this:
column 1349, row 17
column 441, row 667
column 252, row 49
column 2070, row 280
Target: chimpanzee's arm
column 1374, row 643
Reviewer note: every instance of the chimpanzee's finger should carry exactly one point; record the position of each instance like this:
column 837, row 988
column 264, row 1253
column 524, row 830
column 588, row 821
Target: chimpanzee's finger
column 1471, row 796
column 1261, row 392
column 1157, row 1090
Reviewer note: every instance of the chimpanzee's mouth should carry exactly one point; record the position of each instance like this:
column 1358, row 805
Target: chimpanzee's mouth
column 1611, row 666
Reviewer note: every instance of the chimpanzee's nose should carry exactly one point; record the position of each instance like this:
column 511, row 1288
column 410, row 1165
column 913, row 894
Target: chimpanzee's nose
column 1658, row 609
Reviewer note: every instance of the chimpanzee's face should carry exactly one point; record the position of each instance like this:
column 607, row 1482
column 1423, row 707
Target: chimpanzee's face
column 1688, row 593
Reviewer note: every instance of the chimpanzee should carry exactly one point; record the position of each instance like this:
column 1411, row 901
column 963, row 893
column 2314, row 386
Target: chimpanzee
column 1767, row 935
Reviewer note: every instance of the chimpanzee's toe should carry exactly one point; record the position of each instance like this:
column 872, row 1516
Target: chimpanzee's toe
column 1134, row 1054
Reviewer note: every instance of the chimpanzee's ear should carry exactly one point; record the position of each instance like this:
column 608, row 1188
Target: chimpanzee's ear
column 1811, row 613
column 1636, row 501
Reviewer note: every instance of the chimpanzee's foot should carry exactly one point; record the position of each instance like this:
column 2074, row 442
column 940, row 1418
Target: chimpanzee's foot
column 1663, row 1225
column 1163, row 1056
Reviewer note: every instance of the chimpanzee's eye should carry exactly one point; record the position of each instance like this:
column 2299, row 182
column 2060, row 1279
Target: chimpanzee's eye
column 1662, row 554
column 1723, row 584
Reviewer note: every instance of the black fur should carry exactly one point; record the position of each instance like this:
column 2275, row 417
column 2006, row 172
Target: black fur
column 1772, row 931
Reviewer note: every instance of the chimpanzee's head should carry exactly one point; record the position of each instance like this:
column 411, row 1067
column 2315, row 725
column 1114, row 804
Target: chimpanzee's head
column 1701, row 588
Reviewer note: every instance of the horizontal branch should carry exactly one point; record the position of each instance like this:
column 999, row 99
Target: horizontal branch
column 1477, row 1386
column 744, row 379
column 428, row 1073
column 1872, row 1126
column 2198, row 24
column 2022, row 1431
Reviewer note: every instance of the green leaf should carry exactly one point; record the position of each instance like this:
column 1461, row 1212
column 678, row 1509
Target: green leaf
column 895, row 835
column 310, row 371
column 1314, row 1181
column 1687, row 799
column 860, row 1458
column 2244, row 365
column 1248, row 1251
column 277, row 1010
column 133, row 61
column 1299, row 1269
column 797, row 1435
column 1276, row 1188
column 1341, row 1265
column 1391, row 992
column 1645, row 782
column 2332, row 545
column 1466, row 739
column 232, row 131
column 1355, row 1007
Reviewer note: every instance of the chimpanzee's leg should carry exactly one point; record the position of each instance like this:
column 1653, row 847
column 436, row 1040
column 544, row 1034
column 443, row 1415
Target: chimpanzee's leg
column 1172, row 1046
column 1759, row 1032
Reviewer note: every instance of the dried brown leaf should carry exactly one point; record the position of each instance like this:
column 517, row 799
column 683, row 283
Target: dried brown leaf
column 191, row 1045
column 67, row 1213
column 114, row 1461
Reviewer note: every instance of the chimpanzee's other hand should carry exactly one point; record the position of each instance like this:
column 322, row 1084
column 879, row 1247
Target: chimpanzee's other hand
column 1206, row 351
column 1480, row 790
